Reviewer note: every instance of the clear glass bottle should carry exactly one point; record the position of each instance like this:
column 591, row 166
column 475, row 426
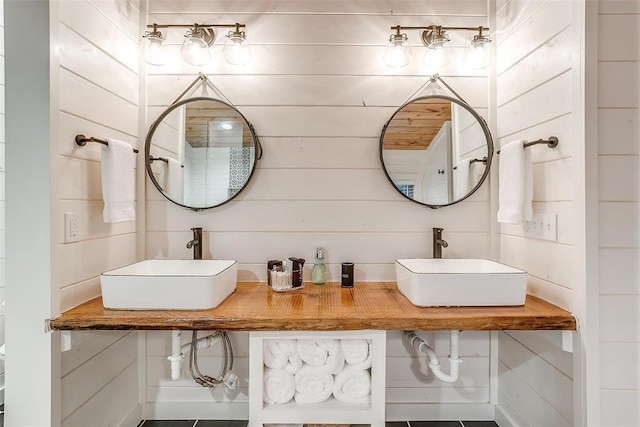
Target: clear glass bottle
column 319, row 271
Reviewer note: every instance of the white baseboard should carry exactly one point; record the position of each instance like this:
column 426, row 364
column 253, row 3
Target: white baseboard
column 195, row 411
column 439, row 411
column 394, row 411
column 507, row 416
column 133, row 418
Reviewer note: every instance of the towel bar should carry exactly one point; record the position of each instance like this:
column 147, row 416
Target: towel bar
column 482, row 160
column 162, row 159
column 82, row 140
column 552, row 142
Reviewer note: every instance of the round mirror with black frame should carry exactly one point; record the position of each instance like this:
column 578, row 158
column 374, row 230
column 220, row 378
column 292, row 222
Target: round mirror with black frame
column 436, row 150
column 201, row 153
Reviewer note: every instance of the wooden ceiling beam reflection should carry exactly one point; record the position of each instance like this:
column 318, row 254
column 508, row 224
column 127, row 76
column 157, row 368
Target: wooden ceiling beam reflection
column 416, row 124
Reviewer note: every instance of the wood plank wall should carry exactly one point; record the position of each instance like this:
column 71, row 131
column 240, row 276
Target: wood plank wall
column 98, row 97
column 535, row 100
column 619, row 146
column 2, row 202
column 318, row 95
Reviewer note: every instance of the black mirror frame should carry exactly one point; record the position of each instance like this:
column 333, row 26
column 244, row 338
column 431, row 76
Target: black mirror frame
column 483, row 125
column 147, row 148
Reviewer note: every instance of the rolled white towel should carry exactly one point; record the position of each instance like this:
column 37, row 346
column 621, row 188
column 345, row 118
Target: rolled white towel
column 352, row 386
column 356, row 351
column 325, row 354
column 313, row 385
column 281, row 354
column 364, row 364
column 278, row 386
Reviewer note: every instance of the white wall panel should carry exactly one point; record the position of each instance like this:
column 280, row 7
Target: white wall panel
column 318, row 95
column 619, row 221
column 99, row 95
column 536, row 48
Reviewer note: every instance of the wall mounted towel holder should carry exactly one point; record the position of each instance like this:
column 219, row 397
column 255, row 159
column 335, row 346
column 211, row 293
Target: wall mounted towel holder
column 82, row 140
column 482, row 160
column 552, row 142
column 161, row 159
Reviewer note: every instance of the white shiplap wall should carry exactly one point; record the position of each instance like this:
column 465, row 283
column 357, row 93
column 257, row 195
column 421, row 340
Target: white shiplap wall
column 318, row 95
column 99, row 96
column 619, row 187
column 535, row 99
column 2, row 200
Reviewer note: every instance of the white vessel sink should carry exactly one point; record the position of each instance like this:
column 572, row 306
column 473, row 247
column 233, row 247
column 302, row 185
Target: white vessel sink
column 460, row 282
column 169, row 284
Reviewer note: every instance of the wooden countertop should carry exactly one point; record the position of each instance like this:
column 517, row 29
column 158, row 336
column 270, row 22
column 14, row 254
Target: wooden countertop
column 371, row 305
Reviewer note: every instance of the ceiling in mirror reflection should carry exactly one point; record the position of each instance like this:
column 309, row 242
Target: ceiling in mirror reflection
column 209, row 149
column 215, row 125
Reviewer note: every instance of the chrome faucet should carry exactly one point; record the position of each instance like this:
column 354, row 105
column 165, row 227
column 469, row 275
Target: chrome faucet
column 438, row 242
column 196, row 243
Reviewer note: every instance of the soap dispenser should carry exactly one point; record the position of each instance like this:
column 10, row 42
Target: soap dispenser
column 319, row 271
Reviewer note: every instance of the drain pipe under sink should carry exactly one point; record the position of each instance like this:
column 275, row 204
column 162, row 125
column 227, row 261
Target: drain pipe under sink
column 178, row 350
column 434, row 364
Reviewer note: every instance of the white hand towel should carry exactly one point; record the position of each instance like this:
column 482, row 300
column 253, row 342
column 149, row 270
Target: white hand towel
column 326, row 354
column 281, row 354
column 515, row 193
column 461, row 179
column 352, row 386
column 357, row 353
column 313, row 385
column 118, row 181
column 174, row 182
column 278, row 386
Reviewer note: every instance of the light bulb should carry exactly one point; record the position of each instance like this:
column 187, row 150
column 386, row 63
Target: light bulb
column 156, row 52
column 476, row 58
column 434, row 60
column 195, row 50
column 398, row 52
column 478, row 54
column 236, row 49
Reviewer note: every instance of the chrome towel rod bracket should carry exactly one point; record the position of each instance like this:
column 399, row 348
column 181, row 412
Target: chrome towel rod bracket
column 82, row 140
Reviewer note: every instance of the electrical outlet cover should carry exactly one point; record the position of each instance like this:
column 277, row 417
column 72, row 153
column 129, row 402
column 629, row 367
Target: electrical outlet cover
column 71, row 227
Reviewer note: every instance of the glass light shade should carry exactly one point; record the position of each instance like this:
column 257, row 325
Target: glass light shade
column 236, row 50
column 435, row 59
column 397, row 54
column 477, row 57
column 195, row 50
column 156, row 52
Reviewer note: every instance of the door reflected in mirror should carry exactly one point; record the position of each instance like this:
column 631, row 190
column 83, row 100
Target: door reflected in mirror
column 436, row 150
column 201, row 153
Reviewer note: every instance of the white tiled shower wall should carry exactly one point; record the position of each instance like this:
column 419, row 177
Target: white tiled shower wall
column 619, row 214
column 318, row 95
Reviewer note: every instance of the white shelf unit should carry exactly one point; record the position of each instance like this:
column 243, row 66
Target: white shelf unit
column 330, row 411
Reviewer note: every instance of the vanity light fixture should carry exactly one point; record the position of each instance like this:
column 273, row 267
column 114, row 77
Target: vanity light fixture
column 156, row 52
column 195, row 48
column 398, row 52
column 477, row 57
column 435, row 39
column 198, row 39
column 236, row 48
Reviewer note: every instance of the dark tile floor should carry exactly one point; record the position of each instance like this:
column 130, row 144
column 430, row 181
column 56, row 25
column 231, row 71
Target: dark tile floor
column 236, row 423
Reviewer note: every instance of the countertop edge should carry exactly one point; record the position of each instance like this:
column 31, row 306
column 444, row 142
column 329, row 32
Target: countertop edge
column 400, row 314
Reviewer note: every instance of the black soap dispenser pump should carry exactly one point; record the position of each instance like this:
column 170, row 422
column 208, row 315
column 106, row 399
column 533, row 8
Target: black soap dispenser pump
column 319, row 271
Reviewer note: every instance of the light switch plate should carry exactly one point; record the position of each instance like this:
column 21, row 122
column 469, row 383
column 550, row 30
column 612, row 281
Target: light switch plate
column 71, row 227
column 542, row 226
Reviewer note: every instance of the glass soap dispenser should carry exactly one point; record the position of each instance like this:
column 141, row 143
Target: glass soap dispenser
column 319, row 271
